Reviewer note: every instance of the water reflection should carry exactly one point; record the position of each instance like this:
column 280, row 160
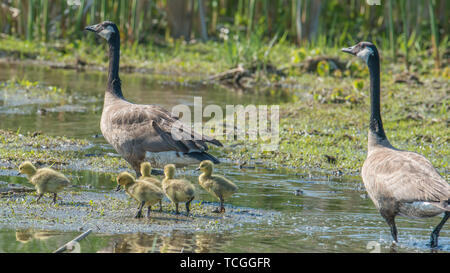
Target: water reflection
column 81, row 103
column 26, row 235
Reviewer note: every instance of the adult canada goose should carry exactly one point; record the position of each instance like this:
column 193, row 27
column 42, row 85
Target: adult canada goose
column 216, row 185
column 178, row 190
column 398, row 182
column 44, row 179
column 144, row 132
column 145, row 193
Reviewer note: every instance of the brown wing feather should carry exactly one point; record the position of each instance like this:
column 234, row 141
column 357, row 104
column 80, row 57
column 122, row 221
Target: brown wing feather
column 150, row 126
column 403, row 176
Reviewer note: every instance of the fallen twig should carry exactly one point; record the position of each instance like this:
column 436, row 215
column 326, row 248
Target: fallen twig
column 76, row 240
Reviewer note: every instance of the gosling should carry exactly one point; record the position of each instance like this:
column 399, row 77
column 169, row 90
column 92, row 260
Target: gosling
column 178, row 190
column 44, row 180
column 216, row 185
column 145, row 193
column 146, row 170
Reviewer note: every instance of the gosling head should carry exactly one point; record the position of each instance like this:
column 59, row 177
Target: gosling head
column 169, row 171
column 146, row 169
column 123, row 179
column 364, row 50
column 206, row 166
column 107, row 30
column 27, row 168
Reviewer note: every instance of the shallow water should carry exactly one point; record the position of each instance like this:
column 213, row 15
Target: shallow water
column 332, row 214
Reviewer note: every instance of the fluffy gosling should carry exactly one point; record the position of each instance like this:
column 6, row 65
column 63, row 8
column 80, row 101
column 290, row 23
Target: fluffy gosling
column 216, row 185
column 178, row 190
column 146, row 170
column 145, row 193
column 44, row 180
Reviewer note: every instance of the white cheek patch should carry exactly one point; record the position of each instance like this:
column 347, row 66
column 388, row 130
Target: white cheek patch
column 365, row 54
column 106, row 33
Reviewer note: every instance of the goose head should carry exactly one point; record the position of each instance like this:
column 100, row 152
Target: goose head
column 123, row 179
column 146, row 169
column 27, row 168
column 363, row 50
column 206, row 166
column 107, row 30
column 169, row 171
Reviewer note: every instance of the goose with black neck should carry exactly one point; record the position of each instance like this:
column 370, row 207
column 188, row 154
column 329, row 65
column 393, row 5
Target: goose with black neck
column 398, row 182
column 141, row 132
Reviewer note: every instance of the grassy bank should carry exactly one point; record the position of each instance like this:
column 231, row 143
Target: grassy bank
column 204, row 59
column 325, row 128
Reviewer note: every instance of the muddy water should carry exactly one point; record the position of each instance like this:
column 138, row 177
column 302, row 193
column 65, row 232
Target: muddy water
column 329, row 214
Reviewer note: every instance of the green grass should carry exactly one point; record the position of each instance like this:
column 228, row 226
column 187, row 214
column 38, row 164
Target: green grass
column 179, row 58
column 325, row 125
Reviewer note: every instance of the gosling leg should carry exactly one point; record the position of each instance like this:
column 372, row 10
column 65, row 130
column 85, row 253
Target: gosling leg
column 435, row 233
column 148, row 211
column 160, row 205
column 39, row 197
column 54, row 198
column 139, row 212
column 176, row 208
column 221, row 208
column 188, row 203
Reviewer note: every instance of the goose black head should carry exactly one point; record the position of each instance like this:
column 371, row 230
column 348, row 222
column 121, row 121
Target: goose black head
column 364, row 50
column 106, row 30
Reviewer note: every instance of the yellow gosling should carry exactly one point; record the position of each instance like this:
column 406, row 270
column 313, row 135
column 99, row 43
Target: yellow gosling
column 178, row 190
column 145, row 193
column 44, row 180
column 146, row 170
column 216, row 185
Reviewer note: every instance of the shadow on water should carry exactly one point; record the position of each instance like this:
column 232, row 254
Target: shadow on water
column 274, row 210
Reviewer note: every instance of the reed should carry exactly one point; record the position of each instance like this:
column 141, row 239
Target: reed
column 308, row 23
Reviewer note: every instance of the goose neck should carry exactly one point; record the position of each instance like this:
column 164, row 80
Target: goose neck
column 114, row 83
column 376, row 124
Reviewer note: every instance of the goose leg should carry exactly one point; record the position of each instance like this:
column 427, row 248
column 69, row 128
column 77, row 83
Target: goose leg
column 136, row 167
column 435, row 233
column 390, row 219
column 393, row 230
column 139, row 212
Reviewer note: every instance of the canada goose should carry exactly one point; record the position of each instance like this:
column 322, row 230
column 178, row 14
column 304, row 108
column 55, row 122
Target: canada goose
column 398, row 182
column 146, row 170
column 178, row 190
column 216, row 185
column 44, row 180
column 145, row 193
column 144, row 132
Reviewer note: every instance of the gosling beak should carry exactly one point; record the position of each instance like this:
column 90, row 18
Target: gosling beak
column 349, row 50
column 198, row 169
column 118, row 188
column 93, row 28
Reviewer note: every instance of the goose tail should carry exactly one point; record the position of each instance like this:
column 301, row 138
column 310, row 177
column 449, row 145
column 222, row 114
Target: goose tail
column 200, row 156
